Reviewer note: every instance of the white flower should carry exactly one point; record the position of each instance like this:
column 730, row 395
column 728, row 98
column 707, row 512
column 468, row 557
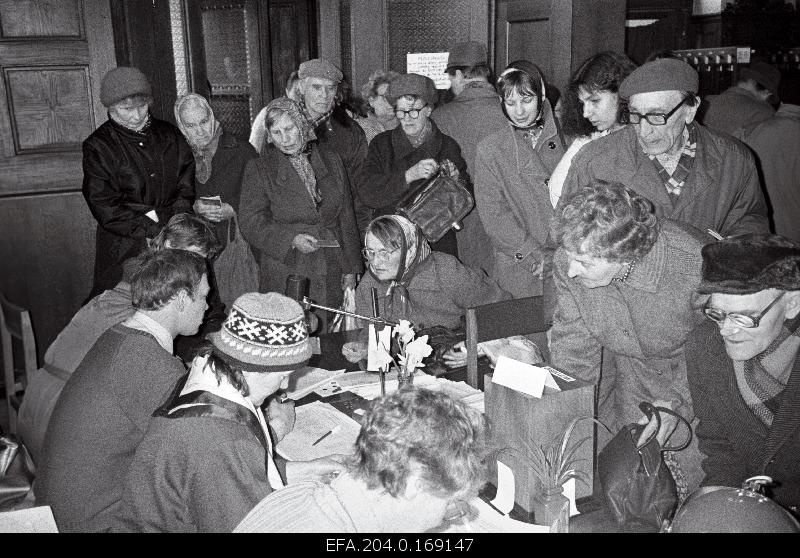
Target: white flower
column 405, row 331
column 414, row 353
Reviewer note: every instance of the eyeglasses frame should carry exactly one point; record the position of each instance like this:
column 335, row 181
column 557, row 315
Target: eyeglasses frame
column 408, row 112
column 755, row 319
column 647, row 116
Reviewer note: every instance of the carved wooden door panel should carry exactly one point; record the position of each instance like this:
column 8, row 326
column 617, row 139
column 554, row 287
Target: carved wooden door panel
column 53, row 55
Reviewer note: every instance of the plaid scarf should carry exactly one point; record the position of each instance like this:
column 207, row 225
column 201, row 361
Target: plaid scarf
column 763, row 378
column 675, row 181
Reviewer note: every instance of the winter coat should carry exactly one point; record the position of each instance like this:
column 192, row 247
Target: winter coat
column 732, row 109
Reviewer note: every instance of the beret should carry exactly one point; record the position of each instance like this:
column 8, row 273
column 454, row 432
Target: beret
column 412, row 84
column 766, row 75
column 664, row 74
column 751, row 263
column 469, row 53
column 123, row 82
column 319, row 68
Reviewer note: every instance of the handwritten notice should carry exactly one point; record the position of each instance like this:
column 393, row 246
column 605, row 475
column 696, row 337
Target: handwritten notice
column 430, row 64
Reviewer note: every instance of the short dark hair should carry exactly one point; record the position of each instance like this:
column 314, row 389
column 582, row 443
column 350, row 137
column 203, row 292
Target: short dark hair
column 607, row 220
column 424, row 432
column 162, row 274
column 478, row 71
column 222, row 368
column 184, row 231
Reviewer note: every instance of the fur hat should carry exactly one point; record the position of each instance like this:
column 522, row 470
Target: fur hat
column 664, row 74
column 748, row 264
column 467, row 54
column 123, row 82
column 766, row 75
column 264, row 332
column 412, row 84
column 319, row 68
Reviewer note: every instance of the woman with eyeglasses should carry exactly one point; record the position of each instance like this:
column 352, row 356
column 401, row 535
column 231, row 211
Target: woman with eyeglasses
column 592, row 108
column 625, row 301
column 512, row 170
column 401, row 159
column 296, row 209
column 414, row 283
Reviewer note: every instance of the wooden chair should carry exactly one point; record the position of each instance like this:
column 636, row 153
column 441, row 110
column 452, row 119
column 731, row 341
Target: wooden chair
column 15, row 323
column 521, row 316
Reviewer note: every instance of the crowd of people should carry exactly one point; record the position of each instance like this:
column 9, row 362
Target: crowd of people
column 667, row 252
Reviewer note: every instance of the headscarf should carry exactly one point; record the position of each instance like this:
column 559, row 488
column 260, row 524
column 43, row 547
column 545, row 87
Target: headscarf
column 203, row 154
column 414, row 249
column 298, row 158
column 533, row 71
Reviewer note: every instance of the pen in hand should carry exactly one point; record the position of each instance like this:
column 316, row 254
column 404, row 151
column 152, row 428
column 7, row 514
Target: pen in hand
column 328, row 433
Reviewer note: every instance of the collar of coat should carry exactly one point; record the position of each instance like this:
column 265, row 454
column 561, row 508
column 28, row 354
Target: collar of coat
column 549, row 129
column 477, row 90
column 648, row 270
column 277, row 163
column 402, row 147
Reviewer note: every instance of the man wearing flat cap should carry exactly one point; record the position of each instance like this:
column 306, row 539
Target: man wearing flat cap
column 745, row 103
column 690, row 173
column 401, row 159
column 743, row 364
column 318, row 84
column 472, row 115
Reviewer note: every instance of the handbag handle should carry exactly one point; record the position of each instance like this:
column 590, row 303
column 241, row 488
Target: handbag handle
column 233, row 231
column 651, row 410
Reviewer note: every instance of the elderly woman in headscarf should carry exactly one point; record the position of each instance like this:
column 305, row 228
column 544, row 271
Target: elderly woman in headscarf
column 625, row 301
column 425, row 287
column 512, row 170
column 220, row 158
column 402, row 159
column 297, row 209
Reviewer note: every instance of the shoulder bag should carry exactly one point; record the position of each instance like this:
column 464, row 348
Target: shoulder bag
column 236, row 269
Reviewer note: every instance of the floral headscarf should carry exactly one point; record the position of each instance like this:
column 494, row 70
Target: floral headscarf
column 298, row 158
column 203, row 154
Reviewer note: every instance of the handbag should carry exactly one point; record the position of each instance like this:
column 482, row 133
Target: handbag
column 638, row 487
column 16, row 472
column 437, row 205
column 236, row 269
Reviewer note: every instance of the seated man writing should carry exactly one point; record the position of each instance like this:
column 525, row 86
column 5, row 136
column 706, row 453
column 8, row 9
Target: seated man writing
column 418, row 451
column 743, row 365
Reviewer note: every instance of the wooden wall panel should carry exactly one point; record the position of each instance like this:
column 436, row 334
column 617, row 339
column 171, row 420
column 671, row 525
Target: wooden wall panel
column 40, row 18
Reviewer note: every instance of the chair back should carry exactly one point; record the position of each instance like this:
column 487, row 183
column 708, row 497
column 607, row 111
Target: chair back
column 519, row 316
column 15, row 323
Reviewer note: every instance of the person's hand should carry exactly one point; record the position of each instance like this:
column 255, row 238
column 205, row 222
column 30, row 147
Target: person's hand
column 422, row 170
column 450, row 169
column 305, row 243
column 281, row 417
column 323, row 469
column 227, row 211
column 210, row 211
column 348, row 281
column 456, row 356
column 668, row 425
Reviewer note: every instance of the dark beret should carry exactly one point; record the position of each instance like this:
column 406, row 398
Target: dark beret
column 412, row 84
column 664, row 74
column 467, row 54
column 750, row 263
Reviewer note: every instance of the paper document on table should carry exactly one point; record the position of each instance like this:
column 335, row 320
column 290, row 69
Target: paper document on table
column 523, row 377
column 314, row 421
column 504, row 499
column 307, row 379
column 484, row 519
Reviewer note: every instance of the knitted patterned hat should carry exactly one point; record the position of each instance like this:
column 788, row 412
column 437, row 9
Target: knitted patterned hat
column 319, row 68
column 264, row 332
column 750, row 263
column 123, row 82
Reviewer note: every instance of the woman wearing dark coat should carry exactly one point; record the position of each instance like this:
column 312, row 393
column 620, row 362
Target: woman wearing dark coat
column 297, row 210
column 400, row 160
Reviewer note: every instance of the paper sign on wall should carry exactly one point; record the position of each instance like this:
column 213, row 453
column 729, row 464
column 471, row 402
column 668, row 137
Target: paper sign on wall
column 430, row 64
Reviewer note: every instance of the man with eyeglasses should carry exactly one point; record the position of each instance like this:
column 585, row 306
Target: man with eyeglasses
column 743, row 364
column 690, row 173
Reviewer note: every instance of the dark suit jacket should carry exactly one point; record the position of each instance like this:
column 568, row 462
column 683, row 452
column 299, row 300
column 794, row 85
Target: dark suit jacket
column 737, row 443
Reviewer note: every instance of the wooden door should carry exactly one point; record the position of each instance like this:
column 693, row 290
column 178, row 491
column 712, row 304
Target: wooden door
column 53, row 55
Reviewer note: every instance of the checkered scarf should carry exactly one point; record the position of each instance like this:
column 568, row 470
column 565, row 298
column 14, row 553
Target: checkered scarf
column 763, row 378
column 674, row 182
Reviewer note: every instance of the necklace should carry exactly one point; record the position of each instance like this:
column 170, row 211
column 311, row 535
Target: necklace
column 627, row 272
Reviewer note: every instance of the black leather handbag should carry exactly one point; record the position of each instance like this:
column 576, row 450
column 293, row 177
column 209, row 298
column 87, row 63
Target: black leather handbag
column 638, row 487
column 436, row 206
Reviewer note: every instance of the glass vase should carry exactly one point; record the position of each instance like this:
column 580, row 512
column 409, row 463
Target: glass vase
column 551, row 508
column 405, row 378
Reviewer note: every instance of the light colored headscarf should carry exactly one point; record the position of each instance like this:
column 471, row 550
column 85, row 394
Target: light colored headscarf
column 298, row 158
column 203, row 154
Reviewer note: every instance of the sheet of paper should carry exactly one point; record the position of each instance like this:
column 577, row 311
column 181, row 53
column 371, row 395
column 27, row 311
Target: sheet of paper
column 483, row 519
column 378, row 348
column 522, row 377
column 307, row 379
column 152, row 215
column 504, row 500
column 313, row 421
column 569, row 492
column 38, row 519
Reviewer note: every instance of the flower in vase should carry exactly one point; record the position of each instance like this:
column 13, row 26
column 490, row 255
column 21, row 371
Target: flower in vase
column 404, row 331
column 413, row 352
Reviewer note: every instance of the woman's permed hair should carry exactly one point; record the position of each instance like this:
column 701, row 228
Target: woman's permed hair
column 418, row 431
column 609, row 221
